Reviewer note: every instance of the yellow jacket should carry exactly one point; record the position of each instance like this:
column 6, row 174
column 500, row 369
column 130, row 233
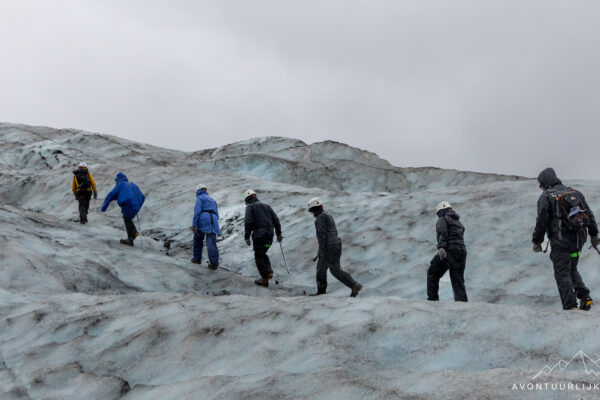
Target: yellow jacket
column 76, row 185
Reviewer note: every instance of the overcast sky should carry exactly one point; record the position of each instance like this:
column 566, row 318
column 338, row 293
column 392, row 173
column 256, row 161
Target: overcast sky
column 493, row 86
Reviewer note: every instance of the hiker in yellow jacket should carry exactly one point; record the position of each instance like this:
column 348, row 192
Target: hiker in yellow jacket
column 83, row 186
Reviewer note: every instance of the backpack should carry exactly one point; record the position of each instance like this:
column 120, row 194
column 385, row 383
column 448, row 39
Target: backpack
column 570, row 210
column 83, row 179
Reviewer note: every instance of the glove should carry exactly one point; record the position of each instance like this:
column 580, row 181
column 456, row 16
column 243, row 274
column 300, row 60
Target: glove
column 95, row 196
column 248, row 242
column 195, row 229
column 279, row 238
column 595, row 241
column 442, row 253
column 537, row 247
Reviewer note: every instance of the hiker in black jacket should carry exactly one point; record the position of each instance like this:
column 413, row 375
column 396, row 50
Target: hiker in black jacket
column 565, row 216
column 452, row 254
column 260, row 222
column 330, row 250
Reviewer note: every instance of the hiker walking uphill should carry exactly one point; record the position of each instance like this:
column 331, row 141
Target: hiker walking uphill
column 83, row 186
column 451, row 255
column 260, row 222
column 205, row 225
column 330, row 250
column 564, row 215
column 130, row 198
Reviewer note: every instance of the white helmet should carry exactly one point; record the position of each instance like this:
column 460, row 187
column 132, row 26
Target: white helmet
column 442, row 206
column 201, row 186
column 316, row 202
column 248, row 192
column 82, row 165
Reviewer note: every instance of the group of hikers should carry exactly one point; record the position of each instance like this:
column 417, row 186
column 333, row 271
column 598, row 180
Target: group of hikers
column 563, row 215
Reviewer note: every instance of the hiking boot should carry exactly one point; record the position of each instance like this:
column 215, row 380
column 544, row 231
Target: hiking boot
column 262, row 282
column 270, row 275
column 212, row 266
column 127, row 242
column 319, row 293
column 195, row 261
column 357, row 288
column 586, row 304
column 572, row 309
column 137, row 234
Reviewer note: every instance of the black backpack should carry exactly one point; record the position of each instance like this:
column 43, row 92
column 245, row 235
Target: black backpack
column 570, row 209
column 83, row 179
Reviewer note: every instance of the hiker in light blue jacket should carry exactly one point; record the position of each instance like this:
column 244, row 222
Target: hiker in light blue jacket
column 206, row 225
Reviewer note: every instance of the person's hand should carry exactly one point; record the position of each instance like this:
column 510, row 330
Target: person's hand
column 442, row 253
column 248, row 242
column 95, row 196
column 537, row 247
column 279, row 238
column 195, row 229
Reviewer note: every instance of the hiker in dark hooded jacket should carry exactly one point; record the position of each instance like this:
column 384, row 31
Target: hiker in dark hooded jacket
column 130, row 198
column 330, row 251
column 452, row 254
column 83, row 186
column 565, row 216
column 260, row 223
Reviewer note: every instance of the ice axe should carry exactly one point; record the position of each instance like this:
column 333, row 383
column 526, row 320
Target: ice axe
column 284, row 260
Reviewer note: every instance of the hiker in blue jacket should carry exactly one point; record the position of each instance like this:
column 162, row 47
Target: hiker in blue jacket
column 205, row 224
column 130, row 198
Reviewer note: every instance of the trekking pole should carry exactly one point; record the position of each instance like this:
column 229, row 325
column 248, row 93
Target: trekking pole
column 284, row 260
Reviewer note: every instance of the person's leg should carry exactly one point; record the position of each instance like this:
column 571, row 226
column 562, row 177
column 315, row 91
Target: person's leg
column 211, row 248
column 260, row 257
column 130, row 227
column 198, row 244
column 335, row 254
column 581, row 291
column 436, row 270
column 562, row 275
column 84, row 205
column 322, row 266
column 457, row 261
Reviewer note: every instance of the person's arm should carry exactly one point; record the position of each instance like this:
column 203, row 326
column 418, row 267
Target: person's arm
column 593, row 226
column 276, row 222
column 110, row 197
column 543, row 219
column 248, row 225
column 74, row 185
column 197, row 211
column 442, row 233
column 321, row 227
column 93, row 183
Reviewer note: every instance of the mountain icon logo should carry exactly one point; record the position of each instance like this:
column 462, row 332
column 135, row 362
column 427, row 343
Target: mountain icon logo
column 591, row 367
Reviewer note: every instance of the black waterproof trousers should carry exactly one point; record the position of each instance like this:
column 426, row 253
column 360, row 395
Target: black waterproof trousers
column 455, row 262
column 261, row 246
column 83, row 196
column 329, row 258
column 567, row 277
column 130, row 227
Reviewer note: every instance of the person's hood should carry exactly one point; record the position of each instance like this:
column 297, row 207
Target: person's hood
column 448, row 213
column 251, row 200
column 121, row 177
column 547, row 178
column 200, row 192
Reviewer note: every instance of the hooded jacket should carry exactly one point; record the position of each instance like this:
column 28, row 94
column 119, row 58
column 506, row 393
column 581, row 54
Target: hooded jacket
column 327, row 233
column 450, row 232
column 206, row 214
column 260, row 220
column 549, row 222
column 128, row 196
